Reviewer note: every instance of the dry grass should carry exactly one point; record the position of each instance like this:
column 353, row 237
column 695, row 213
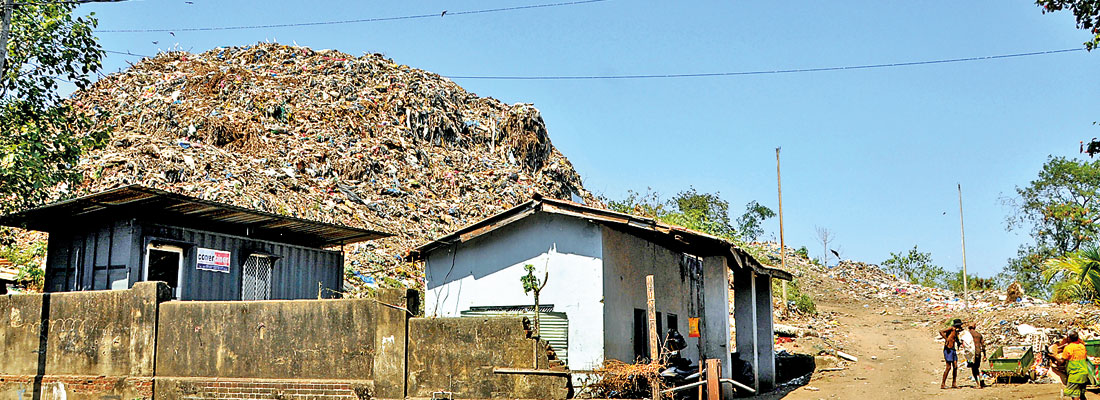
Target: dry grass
column 619, row 380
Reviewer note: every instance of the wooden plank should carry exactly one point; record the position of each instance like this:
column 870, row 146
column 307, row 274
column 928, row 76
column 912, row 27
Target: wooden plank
column 654, row 352
column 714, row 386
column 530, row 371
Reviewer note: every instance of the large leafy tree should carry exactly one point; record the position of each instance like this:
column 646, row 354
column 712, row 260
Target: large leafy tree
column 704, row 212
column 1060, row 209
column 1087, row 13
column 41, row 134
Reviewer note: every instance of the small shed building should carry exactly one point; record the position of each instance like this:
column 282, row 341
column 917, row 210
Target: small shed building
column 594, row 304
column 204, row 250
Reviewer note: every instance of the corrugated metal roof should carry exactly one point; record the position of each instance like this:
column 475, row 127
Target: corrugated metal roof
column 691, row 241
column 190, row 212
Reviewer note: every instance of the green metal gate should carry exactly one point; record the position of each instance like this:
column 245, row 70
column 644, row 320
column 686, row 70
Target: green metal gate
column 553, row 326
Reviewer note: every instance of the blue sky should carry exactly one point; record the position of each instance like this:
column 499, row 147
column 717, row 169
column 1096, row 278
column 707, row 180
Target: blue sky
column 873, row 154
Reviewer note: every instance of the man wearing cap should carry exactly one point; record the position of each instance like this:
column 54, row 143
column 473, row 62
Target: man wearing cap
column 950, row 356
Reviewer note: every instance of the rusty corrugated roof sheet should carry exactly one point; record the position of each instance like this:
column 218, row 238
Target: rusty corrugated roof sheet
column 160, row 206
column 698, row 243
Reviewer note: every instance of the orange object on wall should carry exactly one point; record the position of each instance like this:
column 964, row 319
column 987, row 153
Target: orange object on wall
column 693, row 327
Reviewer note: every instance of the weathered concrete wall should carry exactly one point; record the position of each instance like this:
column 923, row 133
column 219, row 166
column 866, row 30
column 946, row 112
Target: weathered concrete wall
column 459, row 355
column 678, row 289
column 80, row 344
column 486, row 272
column 352, row 343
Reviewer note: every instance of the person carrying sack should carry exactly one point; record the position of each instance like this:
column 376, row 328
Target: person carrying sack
column 1077, row 368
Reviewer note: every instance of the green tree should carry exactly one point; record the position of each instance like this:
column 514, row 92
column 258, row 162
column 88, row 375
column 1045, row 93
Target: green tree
column 1087, row 13
column 917, row 267
column 704, row 212
column 41, row 134
column 749, row 223
column 1059, row 208
column 1080, row 273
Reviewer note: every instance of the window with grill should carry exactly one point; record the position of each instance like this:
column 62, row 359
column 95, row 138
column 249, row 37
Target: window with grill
column 256, row 283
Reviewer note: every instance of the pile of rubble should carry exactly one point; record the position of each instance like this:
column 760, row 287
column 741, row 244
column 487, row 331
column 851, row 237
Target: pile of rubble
column 323, row 135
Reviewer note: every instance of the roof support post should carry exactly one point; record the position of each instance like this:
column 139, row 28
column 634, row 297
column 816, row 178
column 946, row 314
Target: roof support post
column 744, row 314
column 765, row 336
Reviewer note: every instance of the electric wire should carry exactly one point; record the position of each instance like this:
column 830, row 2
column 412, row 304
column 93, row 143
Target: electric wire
column 761, row 72
column 730, row 73
column 351, row 21
column 45, row 3
column 127, row 53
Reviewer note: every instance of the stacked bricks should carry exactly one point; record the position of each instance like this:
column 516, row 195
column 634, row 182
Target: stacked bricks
column 82, row 384
column 245, row 389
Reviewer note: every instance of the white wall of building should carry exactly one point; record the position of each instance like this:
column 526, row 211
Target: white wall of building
column 486, row 272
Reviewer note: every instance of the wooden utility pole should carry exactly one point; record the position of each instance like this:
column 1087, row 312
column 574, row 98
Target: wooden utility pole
column 654, row 352
column 5, row 29
column 782, row 244
column 962, row 230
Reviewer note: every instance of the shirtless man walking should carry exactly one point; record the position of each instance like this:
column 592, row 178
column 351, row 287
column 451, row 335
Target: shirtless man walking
column 979, row 353
column 950, row 355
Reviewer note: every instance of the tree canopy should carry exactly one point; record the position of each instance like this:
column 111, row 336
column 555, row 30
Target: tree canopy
column 1059, row 208
column 41, row 135
column 704, row 212
column 1087, row 13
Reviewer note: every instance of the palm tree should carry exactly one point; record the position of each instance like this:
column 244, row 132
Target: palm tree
column 1081, row 274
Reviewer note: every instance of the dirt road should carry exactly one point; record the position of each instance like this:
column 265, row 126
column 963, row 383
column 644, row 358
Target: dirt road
column 899, row 358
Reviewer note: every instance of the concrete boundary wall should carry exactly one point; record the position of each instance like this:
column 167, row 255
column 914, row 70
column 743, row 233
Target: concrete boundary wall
column 80, row 344
column 459, row 355
column 298, row 349
column 133, row 344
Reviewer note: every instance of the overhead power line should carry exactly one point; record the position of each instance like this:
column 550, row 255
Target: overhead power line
column 758, row 72
column 126, row 53
column 44, row 3
column 444, row 14
column 731, row 73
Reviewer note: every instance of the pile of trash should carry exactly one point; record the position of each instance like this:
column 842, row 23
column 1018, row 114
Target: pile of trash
column 323, row 135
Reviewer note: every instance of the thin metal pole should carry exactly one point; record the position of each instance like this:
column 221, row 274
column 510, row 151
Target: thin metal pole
column 962, row 230
column 782, row 244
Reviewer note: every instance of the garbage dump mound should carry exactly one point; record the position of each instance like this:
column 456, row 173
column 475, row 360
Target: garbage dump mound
column 323, row 135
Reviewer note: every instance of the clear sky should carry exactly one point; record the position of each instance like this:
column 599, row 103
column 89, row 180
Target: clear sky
column 871, row 154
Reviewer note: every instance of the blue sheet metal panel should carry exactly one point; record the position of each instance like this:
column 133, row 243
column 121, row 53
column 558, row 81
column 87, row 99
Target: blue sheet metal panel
column 58, row 270
column 136, row 256
column 120, row 243
column 294, row 276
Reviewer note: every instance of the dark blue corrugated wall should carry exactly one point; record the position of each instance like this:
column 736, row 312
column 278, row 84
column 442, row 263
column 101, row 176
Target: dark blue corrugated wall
column 299, row 272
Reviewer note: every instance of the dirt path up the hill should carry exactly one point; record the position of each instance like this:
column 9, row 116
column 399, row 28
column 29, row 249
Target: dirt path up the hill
column 899, row 359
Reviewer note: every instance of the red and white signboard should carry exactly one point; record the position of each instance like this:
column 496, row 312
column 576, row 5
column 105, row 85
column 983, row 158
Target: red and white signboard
column 213, row 260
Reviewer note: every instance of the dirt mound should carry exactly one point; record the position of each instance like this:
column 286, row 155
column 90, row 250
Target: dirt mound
column 323, row 135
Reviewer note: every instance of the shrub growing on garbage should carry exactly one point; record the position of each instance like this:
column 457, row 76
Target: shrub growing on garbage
column 704, row 212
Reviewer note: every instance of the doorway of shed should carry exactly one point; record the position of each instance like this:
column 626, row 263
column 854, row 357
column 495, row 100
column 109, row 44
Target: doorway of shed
column 164, row 263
